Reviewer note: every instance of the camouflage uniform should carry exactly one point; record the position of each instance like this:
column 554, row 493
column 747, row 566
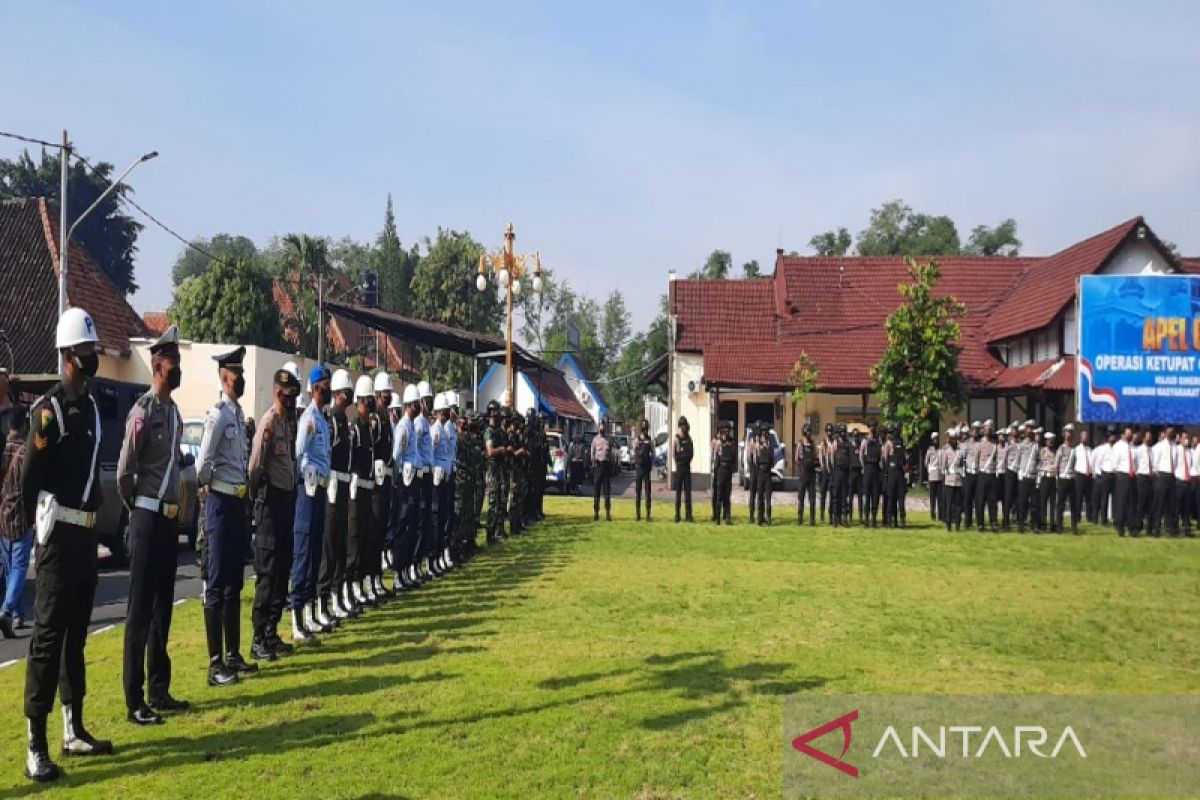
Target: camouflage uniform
column 464, row 498
column 520, row 480
column 496, row 484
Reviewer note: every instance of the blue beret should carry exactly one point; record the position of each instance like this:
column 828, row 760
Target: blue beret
column 318, row 373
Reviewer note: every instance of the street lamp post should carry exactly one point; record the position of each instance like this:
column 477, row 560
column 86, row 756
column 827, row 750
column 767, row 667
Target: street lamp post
column 509, row 268
column 65, row 232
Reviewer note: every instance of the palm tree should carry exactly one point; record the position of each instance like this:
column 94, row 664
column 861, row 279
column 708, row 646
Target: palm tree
column 305, row 271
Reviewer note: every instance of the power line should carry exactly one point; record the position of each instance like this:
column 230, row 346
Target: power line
column 31, row 140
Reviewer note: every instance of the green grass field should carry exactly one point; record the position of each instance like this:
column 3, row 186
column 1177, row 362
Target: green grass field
column 632, row 660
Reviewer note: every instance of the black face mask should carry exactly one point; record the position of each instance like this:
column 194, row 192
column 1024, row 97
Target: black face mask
column 239, row 386
column 174, row 377
column 371, row 405
column 88, row 364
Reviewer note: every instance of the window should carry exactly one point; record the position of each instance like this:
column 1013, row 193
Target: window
column 981, row 409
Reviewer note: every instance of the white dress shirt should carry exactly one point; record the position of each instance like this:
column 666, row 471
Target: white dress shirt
column 1083, row 459
column 1183, row 465
column 1141, row 459
column 1120, row 458
column 1101, row 461
column 1162, row 457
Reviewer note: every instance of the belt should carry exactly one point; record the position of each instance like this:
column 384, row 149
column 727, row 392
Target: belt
column 154, row 505
column 365, row 483
column 73, row 516
column 344, row 477
column 422, row 472
column 237, row 490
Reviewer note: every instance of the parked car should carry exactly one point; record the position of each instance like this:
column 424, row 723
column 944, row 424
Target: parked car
column 780, row 459
column 620, row 443
column 114, row 399
column 556, row 471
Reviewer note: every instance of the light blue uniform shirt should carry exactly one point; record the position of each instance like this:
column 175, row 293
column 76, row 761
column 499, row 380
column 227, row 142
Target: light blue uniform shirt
column 442, row 455
column 404, row 444
column 424, row 443
column 452, row 438
column 312, row 441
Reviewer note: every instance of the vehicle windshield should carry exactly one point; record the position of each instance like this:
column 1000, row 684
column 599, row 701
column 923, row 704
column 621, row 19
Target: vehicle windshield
column 621, row 441
column 193, row 432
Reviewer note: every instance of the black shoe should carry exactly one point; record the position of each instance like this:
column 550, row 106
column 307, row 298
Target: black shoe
column 6, row 627
column 77, row 741
column 19, row 623
column 144, row 715
column 262, row 651
column 596, row 516
column 169, row 704
column 219, row 674
column 278, row 646
column 38, row 766
column 239, row 665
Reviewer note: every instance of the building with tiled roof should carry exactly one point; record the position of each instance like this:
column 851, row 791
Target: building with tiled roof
column 545, row 390
column 736, row 341
column 29, row 304
column 155, row 321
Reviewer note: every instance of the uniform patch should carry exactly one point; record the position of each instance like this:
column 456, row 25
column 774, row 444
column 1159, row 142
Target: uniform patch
column 47, row 418
column 138, row 424
column 72, row 410
column 40, row 442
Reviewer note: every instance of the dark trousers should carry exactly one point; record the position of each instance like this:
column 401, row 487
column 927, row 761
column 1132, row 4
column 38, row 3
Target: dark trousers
column 601, row 485
column 574, row 475
column 968, row 498
column 358, row 533
column 1104, row 488
column 752, row 492
column 1124, row 499
column 274, row 547
column 332, row 550
column 985, row 498
column 808, row 487
column 1145, row 503
column 935, row 499
column 896, row 490
column 952, row 502
column 1027, row 504
column 854, row 496
column 642, row 480
column 872, row 486
column 762, row 481
column 426, row 528
column 443, row 501
column 722, row 493
column 1010, row 498
column 66, row 587
column 408, row 520
column 1045, row 502
column 381, row 515
column 1084, row 495
column 839, row 503
column 683, row 487
column 307, row 545
column 153, row 544
column 1065, row 493
column 226, row 539
column 447, row 515
column 824, row 484
column 1164, row 511
column 1185, row 503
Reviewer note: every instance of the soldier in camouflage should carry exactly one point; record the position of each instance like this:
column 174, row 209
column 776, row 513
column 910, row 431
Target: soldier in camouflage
column 496, row 450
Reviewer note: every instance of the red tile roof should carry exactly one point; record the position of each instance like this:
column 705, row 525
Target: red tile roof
column 155, row 321
column 1047, row 287
column 722, row 311
column 29, row 306
column 1056, row 375
column 555, row 390
column 1191, row 264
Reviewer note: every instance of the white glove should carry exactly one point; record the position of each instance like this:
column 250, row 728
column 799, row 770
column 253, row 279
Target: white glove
column 410, row 472
column 380, row 471
column 354, row 487
column 47, row 509
column 311, row 481
column 437, row 476
column 332, row 489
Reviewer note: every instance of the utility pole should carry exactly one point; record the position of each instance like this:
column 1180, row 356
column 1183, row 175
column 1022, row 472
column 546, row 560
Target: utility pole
column 64, row 159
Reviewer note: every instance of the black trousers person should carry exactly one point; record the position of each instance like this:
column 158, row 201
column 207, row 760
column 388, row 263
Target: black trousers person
column 1045, row 502
column 152, row 566
column 824, row 484
column 952, row 506
column 66, row 587
column 683, row 489
column 808, row 486
column 935, row 500
column 872, row 486
column 1142, row 511
column 839, row 503
column 642, row 480
column 358, row 536
column 1065, row 494
column 1085, row 496
column 273, row 545
column 762, row 482
column 601, row 485
column 1124, row 497
column 968, row 497
column 722, row 495
column 896, row 491
column 1027, row 504
column 333, row 546
column 1164, row 513
column 985, row 497
column 1011, row 485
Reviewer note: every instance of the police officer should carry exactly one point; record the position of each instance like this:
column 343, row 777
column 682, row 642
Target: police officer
column 724, row 467
column 870, row 453
column 453, row 554
column 854, row 488
column 1047, row 474
column 933, row 474
column 314, row 458
column 806, row 462
column 970, row 476
column 986, row 454
column 443, row 466
column 495, row 446
column 273, row 475
column 1064, row 471
column 381, row 511
column 408, row 492
column 356, row 591
column 463, row 548
column 763, row 459
column 683, row 450
column 331, row 580
column 222, row 469
column 842, row 455
column 602, row 473
column 825, row 469
column 422, row 424
column 62, row 493
column 148, row 483
column 895, row 457
column 953, row 466
column 643, row 462
column 519, row 471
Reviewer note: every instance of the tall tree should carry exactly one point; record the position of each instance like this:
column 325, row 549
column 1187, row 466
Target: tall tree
column 231, row 302
column 192, row 262
column 350, row 256
column 751, row 270
column 716, row 266
column 917, row 376
column 998, row 241
column 108, row 235
column 395, row 266
column 831, row 244
column 304, row 261
column 895, row 230
column 614, row 328
column 443, row 290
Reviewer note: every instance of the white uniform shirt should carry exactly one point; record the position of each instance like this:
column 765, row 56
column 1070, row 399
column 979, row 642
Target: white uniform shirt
column 1120, row 458
column 1183, row 466
column 1141, row 459
column 1083, row 459
column 1102, row 460
column 1162, row 457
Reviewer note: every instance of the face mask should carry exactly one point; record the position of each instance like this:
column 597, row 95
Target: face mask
column 289, row 402
column 239, row 386
column 174, row 377
column 371, row 404
column 88, row 364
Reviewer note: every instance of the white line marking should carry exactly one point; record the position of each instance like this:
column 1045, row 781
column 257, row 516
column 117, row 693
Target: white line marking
column 8, row 663
column 104, row 629
column 180, row 601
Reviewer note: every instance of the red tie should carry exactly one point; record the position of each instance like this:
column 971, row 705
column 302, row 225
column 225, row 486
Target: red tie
column 1171, row 456
column 1129, row 450
column 1187, row 472
column 1088, row 462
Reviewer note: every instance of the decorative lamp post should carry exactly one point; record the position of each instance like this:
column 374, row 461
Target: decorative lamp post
column 509, row 268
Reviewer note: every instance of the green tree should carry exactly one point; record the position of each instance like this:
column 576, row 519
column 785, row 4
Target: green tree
column 192, row 262
column 751, row 270
column 350, row 256
column 832, row 244
column 896, row 230
column 443, row 291
column 303, row 261
column 998, row 241
column 395, row 266
column 231, row 302
column 625, row 394
column 716, row 267
column 614, row 328
column 917, row 376
column 803, row 378
column 109, row 236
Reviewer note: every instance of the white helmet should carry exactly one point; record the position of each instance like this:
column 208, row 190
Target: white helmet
column 452, row 399
column 293, row 368
column 341, row 381
column 75, row 326
column 395, row 401
column 363, row 387
column 411, row 394
column 424, row 389
column 439, row 402
column 383, row 382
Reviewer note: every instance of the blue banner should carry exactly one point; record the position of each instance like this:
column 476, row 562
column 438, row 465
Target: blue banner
column 1139, row 349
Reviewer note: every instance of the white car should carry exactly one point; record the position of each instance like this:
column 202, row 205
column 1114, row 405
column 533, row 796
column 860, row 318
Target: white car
column 780, row 459
column 556, row 471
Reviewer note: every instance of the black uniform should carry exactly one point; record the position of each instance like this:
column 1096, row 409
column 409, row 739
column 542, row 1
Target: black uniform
column 807, row 463
column 872, row 479
column 839, row 505
column 682, row 478
column 381, row 498
column 764, row 460
column 333, row 549
column 362, row 513
column 897, row 483
column 724, row 466
column 643, row 462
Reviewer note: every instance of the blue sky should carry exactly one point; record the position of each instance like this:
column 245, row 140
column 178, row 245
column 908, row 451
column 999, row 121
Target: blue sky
column 621, row 138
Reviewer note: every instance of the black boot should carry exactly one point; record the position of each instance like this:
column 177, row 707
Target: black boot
column 232, row 617
column 38, row 766
column 218, row 674
column 260, row 648
column 76, row 739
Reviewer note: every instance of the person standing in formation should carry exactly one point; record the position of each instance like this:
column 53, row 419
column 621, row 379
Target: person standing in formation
column 683, row 451
column 724, row 460
column 1047, row 474
column 379, row 555
column 601, row 473
column 643, row 462
column 933, row 474
column 1012, row 465
column 985, row 452
column 1144, row 491
column 317, row 487
column 1104, row 476
column 360, row 517
column 806, row 462
column 1121, row 464
column 1083, row 478
column 1064, row 470
column 1162, row 461
column 843, row 454
column 871, row 455
column 953, row 468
